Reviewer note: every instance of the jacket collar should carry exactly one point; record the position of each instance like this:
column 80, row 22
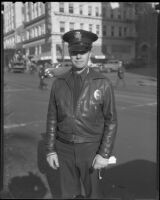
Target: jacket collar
column 92, row 74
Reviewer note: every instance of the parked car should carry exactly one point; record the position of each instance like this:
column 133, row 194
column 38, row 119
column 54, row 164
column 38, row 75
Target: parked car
column 57, row 69
column 111, row 65
column 94, row 66
column 18, row 67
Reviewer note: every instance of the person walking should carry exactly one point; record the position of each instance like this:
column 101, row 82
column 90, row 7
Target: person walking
column 81, row 121
column 42, row 84
column 120, row 75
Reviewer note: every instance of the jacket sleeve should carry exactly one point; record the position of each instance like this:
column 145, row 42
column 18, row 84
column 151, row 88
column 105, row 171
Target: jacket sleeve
column 110, row 123
column 51, row 125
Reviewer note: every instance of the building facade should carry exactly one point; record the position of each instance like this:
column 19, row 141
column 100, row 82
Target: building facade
column 146, row 26
column 43, row 25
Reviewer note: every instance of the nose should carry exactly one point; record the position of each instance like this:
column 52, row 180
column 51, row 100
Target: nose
column 78, row 55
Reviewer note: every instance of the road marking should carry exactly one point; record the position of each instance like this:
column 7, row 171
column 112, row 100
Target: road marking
column 9, row 126
column 139, row 105
column 14, row 125
column 134, row 97
column 18, row 90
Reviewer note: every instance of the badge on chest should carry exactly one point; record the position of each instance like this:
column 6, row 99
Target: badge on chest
column 97, row 95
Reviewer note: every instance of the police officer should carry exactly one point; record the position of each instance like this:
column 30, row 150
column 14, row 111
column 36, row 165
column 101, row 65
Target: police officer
column 81, row 121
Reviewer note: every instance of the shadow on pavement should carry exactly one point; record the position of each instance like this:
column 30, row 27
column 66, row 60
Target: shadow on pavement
column 134, row 179
column 25, row 187
column 51, row 175
column 128, row 181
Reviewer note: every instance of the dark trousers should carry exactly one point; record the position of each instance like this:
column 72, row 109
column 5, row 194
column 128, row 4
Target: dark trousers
column 76, row 173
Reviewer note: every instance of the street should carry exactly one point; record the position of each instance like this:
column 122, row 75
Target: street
column 25, row 110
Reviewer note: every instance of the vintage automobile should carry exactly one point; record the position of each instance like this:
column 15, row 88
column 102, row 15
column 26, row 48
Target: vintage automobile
column 18, row 66
column 56, row 69
column 110, row 66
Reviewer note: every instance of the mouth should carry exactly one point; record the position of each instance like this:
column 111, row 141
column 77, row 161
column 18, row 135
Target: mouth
column 79, row 62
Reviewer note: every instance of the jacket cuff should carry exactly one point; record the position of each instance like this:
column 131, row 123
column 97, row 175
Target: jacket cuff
column 104, row 155
column 52, row 153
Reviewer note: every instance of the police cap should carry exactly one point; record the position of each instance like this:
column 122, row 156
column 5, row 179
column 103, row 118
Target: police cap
column 79, row 40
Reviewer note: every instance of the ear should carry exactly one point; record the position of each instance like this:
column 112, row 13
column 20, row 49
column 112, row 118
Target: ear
column 89, row 54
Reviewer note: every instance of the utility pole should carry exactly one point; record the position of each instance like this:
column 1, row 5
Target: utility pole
column 157, row 8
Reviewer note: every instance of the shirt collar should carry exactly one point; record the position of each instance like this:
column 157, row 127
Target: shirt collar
column 83, row 74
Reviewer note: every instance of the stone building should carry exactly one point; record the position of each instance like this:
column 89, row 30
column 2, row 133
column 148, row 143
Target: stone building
column 45, row 23
column 146, row 26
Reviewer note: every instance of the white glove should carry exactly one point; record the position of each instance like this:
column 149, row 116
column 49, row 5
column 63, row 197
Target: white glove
column 52, row 160
column 99, row 162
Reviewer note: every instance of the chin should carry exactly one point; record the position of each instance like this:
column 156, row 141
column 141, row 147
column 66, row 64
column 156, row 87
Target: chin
column 79, row 66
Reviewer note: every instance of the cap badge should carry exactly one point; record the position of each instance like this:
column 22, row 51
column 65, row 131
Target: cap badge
column 78, row 35
column 97, row 94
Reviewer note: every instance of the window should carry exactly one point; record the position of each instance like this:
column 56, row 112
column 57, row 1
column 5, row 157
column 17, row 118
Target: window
column 97, row 29
column 62, row 27
column 70, row 7
column 40, row 49
column 124, row 14
column 36, row 31
column 32, row 33
column 81, row 9
column 120, row 31
column 112, row 30
column 43, row 28
column 32, row 11
column 89, row 10
column 42, row 8
column 38, row 8
column 39, row 30
column 97, row 11
column 81, row 25
column 111, row 14
column 125, row 31
column 90, row 27
column 35, row 10
column 71, row 26
column 61, row 6
column 104, row 12
column 104, row 30
column 36, row 50
column 27, row 35
column 119, row 15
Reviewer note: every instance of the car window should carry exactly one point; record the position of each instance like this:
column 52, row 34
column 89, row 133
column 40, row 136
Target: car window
column 114, row 62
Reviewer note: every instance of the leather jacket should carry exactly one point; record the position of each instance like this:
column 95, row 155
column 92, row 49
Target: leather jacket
column 93, row 120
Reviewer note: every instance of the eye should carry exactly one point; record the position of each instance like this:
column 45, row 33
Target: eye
column 74, row 53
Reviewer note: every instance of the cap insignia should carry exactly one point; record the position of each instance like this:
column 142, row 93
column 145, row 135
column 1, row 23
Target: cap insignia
column 78, row 35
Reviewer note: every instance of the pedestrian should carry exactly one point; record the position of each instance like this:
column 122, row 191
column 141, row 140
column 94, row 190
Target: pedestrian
column 32, row 67
column 42, row 84
column 81, row 121
column 120, row 75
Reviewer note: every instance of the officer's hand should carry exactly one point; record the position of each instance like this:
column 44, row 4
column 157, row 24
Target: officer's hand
column 100, row 162
column 52, row 160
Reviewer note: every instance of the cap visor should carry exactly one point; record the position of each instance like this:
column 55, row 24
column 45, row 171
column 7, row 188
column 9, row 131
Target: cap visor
column 79, row 48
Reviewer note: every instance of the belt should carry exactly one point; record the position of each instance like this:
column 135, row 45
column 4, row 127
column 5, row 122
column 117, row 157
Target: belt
column 65, row 141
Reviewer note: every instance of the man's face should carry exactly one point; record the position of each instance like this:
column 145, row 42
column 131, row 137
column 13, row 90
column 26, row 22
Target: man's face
column 79, row 59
